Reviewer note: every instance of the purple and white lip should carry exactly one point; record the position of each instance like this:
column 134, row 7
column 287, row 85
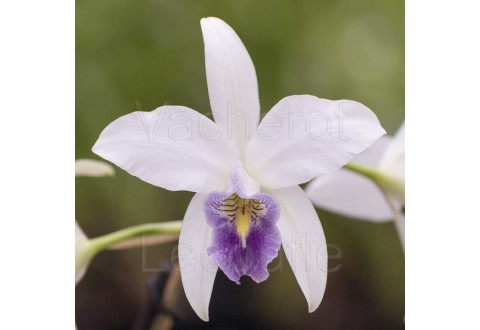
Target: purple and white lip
column 245, row 235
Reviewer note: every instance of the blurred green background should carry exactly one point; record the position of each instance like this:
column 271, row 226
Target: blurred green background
column 141, row 54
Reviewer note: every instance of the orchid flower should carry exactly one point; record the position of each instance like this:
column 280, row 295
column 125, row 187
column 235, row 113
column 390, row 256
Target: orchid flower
column 370, row 188
column 245, row 173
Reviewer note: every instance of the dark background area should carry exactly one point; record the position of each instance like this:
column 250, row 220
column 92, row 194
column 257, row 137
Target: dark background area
column 138, row 54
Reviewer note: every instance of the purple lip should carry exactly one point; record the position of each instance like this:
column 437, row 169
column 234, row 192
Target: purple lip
column 245, row 236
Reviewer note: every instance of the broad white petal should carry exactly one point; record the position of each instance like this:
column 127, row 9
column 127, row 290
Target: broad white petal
column 232, row 81
column 303, row 137
column 393, row 161
column 172, row 147
column 349, row 194
column 91, row 167
column 303, row 242
column 197, row 268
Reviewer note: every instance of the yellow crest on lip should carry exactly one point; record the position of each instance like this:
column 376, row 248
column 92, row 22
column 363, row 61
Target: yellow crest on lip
column 243, row 219
column 243, row 212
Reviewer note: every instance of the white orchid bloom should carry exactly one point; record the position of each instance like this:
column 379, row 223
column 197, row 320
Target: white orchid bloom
column 373, row 186
column 245, row 172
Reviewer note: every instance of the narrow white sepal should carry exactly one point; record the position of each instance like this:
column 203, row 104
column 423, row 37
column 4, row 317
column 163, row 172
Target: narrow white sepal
column 232, row 81
column 304, row 242
column 198, row 269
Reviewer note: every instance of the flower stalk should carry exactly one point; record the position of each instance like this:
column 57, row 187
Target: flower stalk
column 86, row 249
column 103, row 242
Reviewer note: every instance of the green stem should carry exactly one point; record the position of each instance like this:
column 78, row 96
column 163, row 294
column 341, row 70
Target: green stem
column 103, row 242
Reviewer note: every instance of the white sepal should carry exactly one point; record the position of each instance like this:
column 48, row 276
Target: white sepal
column 198, row 269
column 304, row 243
column 232, row 81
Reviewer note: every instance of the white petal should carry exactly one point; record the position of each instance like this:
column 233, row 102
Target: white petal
column 393, row 161
column 349, row 194
column 232, row 81
column 303, row 242
column 197, row 268
column 173, row 147
column 90, row 167
column 303, row 137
